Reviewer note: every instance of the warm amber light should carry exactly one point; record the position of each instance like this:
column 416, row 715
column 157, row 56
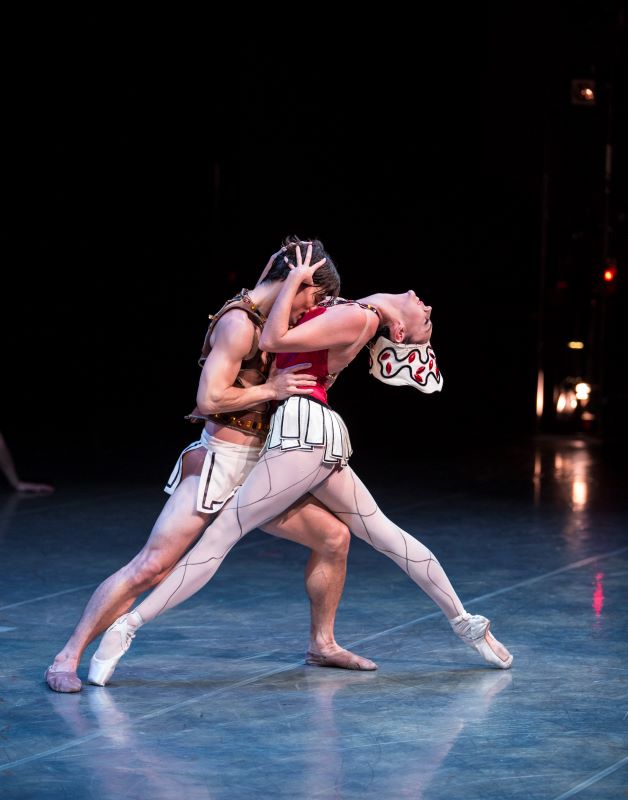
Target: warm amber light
column 575, row 345
column 609, row 274
column 539, row 394
column 579, row 493
column 583, row 390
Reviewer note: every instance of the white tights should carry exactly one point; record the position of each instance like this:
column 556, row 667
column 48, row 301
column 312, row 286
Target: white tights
column 275, row 483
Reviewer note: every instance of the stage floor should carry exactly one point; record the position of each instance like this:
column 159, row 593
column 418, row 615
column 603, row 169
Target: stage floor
column 214, row 700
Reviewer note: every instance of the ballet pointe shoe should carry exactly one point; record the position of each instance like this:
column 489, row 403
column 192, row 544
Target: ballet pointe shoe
column 117, row 640
column 474, row 630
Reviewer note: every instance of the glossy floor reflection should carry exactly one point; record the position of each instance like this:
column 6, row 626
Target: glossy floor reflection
column 214, row 701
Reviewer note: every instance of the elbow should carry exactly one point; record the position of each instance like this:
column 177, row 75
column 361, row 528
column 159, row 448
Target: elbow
column 209, row 404
column 266, row 342
column 273, row 344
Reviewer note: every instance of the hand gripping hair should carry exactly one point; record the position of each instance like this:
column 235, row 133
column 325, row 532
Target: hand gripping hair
column 405, row 365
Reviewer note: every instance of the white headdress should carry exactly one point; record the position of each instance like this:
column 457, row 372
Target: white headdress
column 405, row 365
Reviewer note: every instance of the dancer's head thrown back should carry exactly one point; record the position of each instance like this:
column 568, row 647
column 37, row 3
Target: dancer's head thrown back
column 400, row 352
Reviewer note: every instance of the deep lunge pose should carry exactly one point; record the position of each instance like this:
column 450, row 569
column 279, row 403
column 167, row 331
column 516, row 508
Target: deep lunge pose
column 233, row 402
column 307, row 451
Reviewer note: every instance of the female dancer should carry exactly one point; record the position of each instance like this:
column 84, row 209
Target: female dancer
column 308, row 449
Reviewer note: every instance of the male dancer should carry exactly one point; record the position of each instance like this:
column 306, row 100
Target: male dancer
column 307, row 452
column 233, row 400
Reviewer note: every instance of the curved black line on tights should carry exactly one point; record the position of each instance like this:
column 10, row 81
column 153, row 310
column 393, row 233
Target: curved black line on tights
column 407, row 559
column 221, row 557
column 363, row 517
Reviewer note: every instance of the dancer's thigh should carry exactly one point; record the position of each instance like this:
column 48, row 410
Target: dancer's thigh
column 276, row 482
column 193, row 462
column 344, row 494
column 309, row 523
column 178, row 526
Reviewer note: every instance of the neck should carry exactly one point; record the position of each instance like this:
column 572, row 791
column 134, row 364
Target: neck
column 265, row 295
column 383, row 305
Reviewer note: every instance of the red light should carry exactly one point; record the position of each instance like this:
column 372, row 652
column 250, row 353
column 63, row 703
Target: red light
column 598, row 594
column 610, row 273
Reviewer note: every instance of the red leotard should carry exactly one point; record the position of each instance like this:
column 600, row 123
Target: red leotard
column 317, row 358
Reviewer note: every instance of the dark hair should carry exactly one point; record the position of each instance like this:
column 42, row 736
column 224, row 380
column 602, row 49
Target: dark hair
column 326, row 276
column 384, row 330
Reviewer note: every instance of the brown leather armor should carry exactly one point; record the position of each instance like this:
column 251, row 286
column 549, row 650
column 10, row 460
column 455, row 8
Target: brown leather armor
column 254, row 371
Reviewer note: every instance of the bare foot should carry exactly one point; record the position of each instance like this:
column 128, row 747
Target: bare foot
column 340, row 658
column 62, row 680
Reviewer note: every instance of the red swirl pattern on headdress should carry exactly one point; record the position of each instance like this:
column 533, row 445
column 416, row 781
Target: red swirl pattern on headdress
column 403, row 364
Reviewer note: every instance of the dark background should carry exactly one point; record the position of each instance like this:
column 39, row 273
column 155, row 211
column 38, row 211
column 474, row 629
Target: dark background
column 147, row 176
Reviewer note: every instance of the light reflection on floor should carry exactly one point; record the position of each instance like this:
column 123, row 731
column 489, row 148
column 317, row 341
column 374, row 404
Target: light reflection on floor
column 214, row 701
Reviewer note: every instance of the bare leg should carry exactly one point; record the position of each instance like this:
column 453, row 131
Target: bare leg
column 176, row 528
column 309, row 523
column 277, row 481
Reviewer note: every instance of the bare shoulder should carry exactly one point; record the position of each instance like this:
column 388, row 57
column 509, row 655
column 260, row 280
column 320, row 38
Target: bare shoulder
column 235, row 328
column 234, row 320
column 346, row 313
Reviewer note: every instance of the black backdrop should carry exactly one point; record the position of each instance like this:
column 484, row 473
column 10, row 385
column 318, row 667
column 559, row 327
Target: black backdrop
column 143, row 183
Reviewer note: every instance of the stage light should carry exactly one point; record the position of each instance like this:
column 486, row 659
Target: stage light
column 583, row 390
column 566, row 403
column 539, row 394
column 575, row 345
column 583, row 92
column 610, row 273
column 572, row 396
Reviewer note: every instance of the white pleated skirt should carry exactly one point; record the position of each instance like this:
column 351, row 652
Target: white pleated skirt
column 224, row 470
column 301, row 423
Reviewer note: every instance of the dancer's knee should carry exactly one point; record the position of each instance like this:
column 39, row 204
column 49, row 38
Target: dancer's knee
column 336, row 540
column 147, row 569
